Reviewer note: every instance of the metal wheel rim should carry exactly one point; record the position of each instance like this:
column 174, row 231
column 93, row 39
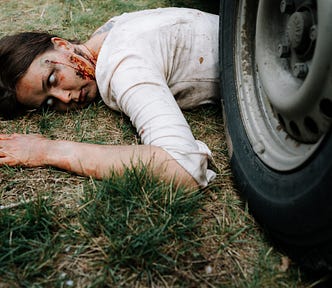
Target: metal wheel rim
column 265, row 114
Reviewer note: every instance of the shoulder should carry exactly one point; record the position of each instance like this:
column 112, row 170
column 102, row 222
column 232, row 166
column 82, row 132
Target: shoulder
column 161, row 17
column 152, row 25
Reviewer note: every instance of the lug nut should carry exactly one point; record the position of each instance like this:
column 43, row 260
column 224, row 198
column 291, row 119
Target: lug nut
column 300, row 70
column 287, row 6
column 313, row 33
column 283, row 50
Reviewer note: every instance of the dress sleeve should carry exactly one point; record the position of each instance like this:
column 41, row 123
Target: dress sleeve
column 140, row 91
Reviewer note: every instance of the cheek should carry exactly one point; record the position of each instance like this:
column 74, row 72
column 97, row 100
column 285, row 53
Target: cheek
column 83, row 69
column 65, row 77
column 23, row 90
column 27, row 87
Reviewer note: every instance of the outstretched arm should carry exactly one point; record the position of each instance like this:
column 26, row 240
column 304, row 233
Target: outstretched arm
column 87, row 159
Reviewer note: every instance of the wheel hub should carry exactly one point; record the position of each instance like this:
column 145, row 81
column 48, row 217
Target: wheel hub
column 300, row 34
column 297, row 82
column 298, row 29
column 284, row 71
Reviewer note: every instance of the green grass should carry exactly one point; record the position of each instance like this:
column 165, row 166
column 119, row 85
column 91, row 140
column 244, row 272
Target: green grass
column 27, row 241
column 150, row 228
column 143, row 227
column 62, row 230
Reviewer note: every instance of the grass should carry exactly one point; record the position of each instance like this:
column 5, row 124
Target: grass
column 26, row 241
column 150, row 229
column 131, row 225
column 62, row 230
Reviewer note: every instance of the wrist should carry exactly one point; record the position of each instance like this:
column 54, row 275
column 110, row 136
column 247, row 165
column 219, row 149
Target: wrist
column 58, row 153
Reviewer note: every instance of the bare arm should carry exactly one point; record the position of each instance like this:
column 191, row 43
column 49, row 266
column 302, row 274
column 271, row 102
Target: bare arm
column 87, row 159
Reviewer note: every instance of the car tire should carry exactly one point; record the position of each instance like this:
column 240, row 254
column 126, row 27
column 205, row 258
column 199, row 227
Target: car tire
column 293, row 205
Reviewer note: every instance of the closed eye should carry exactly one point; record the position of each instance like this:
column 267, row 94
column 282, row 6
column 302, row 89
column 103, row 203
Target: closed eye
column 51, row 81
column 50, row 102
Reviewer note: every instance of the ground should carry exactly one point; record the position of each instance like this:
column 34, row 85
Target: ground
column 62, row 230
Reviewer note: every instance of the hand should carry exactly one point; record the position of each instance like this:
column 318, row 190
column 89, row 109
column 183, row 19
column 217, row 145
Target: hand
column 21, row 149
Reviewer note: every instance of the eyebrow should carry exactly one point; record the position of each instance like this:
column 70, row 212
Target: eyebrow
column 44, row 88
column 44, row 83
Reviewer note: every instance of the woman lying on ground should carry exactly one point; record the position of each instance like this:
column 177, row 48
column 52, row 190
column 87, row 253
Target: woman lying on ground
column 147, row 64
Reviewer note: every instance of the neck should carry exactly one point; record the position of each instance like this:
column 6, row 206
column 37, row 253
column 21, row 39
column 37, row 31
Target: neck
column 89, row 54
column 93, row 45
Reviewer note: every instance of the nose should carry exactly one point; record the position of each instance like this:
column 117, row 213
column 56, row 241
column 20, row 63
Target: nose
column 62, row 95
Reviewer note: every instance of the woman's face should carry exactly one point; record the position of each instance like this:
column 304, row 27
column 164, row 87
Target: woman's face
column 61, row 78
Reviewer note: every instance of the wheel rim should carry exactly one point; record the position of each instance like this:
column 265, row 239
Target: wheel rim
column 285, row 78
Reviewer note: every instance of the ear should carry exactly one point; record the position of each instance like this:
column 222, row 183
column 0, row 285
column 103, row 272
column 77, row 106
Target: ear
column 60, row 43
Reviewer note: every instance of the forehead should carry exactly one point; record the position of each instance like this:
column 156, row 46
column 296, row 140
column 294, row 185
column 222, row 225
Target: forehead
column 29, row 89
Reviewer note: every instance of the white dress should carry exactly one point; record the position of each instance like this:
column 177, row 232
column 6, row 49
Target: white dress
column 154, row 62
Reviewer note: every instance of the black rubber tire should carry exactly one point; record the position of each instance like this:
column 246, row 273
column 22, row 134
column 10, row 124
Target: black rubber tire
column 294, row 207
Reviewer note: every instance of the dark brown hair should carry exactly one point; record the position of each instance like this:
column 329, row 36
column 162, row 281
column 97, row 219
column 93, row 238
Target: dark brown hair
column 16, row 55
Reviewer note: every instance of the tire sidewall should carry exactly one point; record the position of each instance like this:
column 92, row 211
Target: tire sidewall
column 296, row 205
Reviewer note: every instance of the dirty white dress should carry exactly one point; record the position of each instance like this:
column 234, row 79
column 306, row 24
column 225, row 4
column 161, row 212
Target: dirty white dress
column 151, row 63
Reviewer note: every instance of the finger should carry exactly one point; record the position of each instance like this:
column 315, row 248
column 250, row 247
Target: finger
column 3, row 160
column 7, row 161
column 5, row 136
column 2, row 154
